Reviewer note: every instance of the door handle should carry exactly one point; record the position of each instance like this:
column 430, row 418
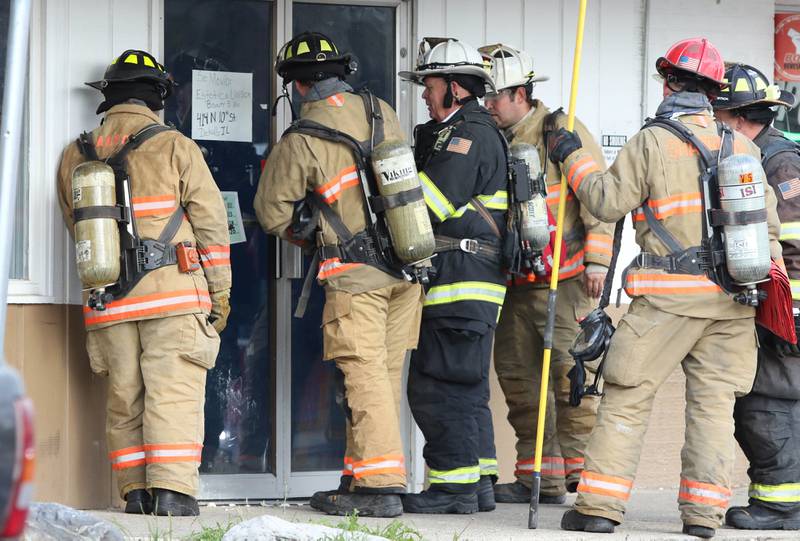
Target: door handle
column 292, row 261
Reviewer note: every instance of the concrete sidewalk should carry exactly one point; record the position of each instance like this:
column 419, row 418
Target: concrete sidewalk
column 652, row 515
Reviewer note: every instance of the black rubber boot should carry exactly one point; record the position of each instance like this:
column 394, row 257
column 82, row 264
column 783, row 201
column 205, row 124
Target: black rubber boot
column 516, row 492
column 176, row 504
column 577, row 522
column 486, row 494
column 440, row 502
column 699, row 531
column 138, row 502
column 366, row 505
column 318, row 497
column 758, row 517
column 572, row 487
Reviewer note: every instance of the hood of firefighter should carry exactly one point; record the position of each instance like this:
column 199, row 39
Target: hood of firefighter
column 683, row 103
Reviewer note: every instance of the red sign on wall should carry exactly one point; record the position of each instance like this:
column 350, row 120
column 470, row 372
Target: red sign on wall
column 787, row 46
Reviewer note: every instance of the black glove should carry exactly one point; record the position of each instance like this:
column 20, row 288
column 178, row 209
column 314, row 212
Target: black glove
column 788, row 349
column 561, row 144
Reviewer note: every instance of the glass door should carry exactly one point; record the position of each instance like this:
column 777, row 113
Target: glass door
column 317, row 428
column 220, row 55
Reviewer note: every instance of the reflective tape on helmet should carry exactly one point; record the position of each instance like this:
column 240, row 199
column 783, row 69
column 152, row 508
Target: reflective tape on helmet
column 441, row 207
column 488, row 466
column 790, row 231
column 460, row 476
column 703, row 493
column 605, row 485
column 783, row 493
column 465, row 291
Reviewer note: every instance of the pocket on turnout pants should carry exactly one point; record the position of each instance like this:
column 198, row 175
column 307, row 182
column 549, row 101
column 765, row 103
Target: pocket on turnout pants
column 454, row 354
column 199, row 341
column 338, row 331
column 98, row 361
column 630, row 350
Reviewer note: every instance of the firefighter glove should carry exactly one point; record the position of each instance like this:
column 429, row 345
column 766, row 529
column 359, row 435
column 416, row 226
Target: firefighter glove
column 561, row 144
column 220, row 308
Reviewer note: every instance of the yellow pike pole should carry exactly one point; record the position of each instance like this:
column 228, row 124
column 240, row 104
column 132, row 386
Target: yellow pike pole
column 533, row 511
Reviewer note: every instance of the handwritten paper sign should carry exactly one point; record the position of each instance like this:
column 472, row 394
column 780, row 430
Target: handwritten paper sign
column 235, row 223
column 222, row 106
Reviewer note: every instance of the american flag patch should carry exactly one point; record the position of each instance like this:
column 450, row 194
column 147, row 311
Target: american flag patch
column 460, row 145
column 790, row 188
column 690, row 63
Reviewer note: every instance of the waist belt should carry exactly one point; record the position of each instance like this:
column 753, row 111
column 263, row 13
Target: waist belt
column 470, row 246
column 692, row 260
column 154, row 255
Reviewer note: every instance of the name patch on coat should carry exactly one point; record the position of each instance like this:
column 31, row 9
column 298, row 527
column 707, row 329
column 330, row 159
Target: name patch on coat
column 790, row 188
column 459, row 145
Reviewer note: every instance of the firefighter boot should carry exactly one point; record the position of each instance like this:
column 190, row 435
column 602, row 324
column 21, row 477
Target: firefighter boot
column 516, row 492
column 138, row 502
column 758, row 517
column 578, row 522
column 365, row 504
column 486, row 500
column 699, row 531
column 320, row 496
column 176, row 504
column 440, row 502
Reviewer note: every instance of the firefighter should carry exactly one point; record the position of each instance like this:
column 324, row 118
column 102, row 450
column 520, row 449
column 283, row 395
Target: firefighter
column 156, row 342
column 371, row 316
column 518, row 348
column 462, row 164
column 768, row 419
column 678, row 315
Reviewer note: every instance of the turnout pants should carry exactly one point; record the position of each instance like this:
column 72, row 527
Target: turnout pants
column 768, row 428
column 157, row 373
column 448, row 391
column 518, row 353
column 367, row 335
column 718, row 358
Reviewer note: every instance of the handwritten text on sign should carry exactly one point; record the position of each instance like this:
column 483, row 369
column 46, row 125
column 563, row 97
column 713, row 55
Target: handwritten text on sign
column 222, row 106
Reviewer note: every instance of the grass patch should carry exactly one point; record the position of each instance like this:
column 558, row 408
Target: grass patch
column 212, row 533
column 395, row 530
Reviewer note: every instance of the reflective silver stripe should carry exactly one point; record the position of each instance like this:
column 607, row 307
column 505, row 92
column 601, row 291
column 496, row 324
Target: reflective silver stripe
column 130, row 457
column 488, row 466
column 465, row 291
column 470, row 474
column 786, row 492
column 790, row 231
column 435, row 199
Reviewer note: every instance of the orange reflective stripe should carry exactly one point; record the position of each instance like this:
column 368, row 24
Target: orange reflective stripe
column 605, row 485
column 130, row 457
column 145, row 305
column 346, row 178
column 685, row 203
column 704, row 493
column 668, row 284
column 153, row 205
column 173, row 452
column 333, row 266
column 554, row 192
column 336, row 100
column 599, row 244
column 572, row 266
column 578, row 171
column 574, row 465
column 551, row 465
column 214, row 256
column 348, row 466
column 379, row 465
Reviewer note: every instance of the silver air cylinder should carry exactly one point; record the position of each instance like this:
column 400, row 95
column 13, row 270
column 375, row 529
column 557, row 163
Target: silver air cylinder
column 97, row 250
column 741, row 188
column 409, row 224
column 532, row 213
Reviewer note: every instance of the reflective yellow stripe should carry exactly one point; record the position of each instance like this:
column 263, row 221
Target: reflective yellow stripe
column 795, row 289
column 497, row 201
column 786, row 492
column 790, row 231
column 465, row 291
column 488, row 466
column 131, row 59
column 435, row 199
column 461, row 476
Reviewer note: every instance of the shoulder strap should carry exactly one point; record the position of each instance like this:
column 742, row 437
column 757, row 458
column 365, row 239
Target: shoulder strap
column 135, row 141
column 683, row 133
column 374, row 118
column 548, row 127
column 615, row 249
column 778, row 146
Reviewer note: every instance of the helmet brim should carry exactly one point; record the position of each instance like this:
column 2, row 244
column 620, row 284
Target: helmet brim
column 663, row 65
column 417, row 77
column 97, row 85
column 786, row 99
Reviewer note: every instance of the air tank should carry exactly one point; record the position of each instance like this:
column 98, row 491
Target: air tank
column 97, row 250
column 532, row 214
column 409, row 223
column 741, row 181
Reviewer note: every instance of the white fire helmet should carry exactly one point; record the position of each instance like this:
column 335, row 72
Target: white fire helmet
column 510, row 67
column 448, row 56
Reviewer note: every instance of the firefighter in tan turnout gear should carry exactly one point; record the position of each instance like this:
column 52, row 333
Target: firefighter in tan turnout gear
column 519, row 342
column 678, row 315
column 154, row 332
column 371, row 315
column 768, row 419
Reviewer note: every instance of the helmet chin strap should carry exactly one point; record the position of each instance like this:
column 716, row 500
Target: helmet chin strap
column 448, row 96
column 288, row 98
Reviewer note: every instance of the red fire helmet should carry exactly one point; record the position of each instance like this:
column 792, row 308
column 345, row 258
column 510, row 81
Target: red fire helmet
column 694, row 55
